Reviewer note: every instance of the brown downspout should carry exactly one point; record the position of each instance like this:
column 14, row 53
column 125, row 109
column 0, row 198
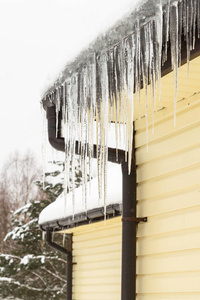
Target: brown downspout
column 129, row 229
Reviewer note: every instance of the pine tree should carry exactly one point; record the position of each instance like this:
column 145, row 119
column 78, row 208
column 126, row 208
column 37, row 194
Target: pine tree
column 32, row 269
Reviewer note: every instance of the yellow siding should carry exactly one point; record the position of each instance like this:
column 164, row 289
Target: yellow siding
column 187, row 86
column 168, row 191
column 97, row 254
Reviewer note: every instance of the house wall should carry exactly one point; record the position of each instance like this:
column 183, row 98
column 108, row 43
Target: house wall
column 168, row 191
column 97, row 254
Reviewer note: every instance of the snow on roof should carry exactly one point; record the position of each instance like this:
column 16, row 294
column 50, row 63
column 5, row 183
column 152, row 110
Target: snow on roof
column 63, row 206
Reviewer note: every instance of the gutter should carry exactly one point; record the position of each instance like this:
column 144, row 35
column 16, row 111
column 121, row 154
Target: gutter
column 68, row 253
column 92, row 216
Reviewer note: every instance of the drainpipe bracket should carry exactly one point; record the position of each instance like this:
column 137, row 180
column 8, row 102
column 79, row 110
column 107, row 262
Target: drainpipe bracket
column 136, row 220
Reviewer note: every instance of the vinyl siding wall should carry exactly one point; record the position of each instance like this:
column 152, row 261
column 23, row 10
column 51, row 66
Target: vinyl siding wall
column 97, row 252
column 168, row 191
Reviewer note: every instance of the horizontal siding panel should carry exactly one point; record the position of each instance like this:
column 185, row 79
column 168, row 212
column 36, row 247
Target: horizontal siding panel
column 182, row 220
column 95, row 296
column 185, row 198
column 98, row 233
column 169, row 183
column 168, row 193
column 101, row 249
column 107, row 272
column 102, row 257
column 181, row 261
column 170, row 163
column 97, row 278
column 97, row 253
column 173, row 143
column 166, row 125
column 168, row 296
column 171, row 283
column 170, row 144
column 174, row 241
column 94, row 289
column 82, row 267
column 97, row 242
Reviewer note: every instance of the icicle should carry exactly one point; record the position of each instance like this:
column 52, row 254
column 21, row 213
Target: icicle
column 104, row 121
column 188, row 35
column 152, row 71
column 91, row 102
column 116, row 97
column 158, row 37
column 98, row 149
column 53, row 235
column 58, row 102
column 174, row 50
column 43, row 235
column 63, row 241
column 198, row 18
column 194, row 22
column 44, row 141
column 138, row 66
column 180, row 17
column 145, row 61
column 72, row 138
column 67, row 144
column 111, row 82
column 130, row 101
column 166, row 34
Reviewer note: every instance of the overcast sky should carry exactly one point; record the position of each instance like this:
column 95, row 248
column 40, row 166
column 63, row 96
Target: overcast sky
column 36, row 38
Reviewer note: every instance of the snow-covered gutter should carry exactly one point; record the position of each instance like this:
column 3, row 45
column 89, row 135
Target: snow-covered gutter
column 61, row 214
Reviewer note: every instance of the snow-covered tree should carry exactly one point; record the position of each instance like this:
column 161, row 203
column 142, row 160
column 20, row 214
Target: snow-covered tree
column 31, row 269
column 17, row 188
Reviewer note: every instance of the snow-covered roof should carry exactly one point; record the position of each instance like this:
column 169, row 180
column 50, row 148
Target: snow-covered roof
column 63, row 207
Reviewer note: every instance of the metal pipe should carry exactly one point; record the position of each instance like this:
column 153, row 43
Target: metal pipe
column 128, row 279
column 68, row 253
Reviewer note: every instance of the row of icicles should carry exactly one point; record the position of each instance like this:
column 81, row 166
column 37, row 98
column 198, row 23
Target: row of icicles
column 106, row 88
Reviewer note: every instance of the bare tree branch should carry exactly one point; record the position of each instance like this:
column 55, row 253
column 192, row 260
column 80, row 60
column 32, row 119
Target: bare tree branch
column 54, row 275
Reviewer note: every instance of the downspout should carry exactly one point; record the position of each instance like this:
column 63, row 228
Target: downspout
column 128, row 282
column 129, row 229
column 68, row 253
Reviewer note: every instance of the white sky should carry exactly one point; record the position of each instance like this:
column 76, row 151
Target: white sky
column 36, row 37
